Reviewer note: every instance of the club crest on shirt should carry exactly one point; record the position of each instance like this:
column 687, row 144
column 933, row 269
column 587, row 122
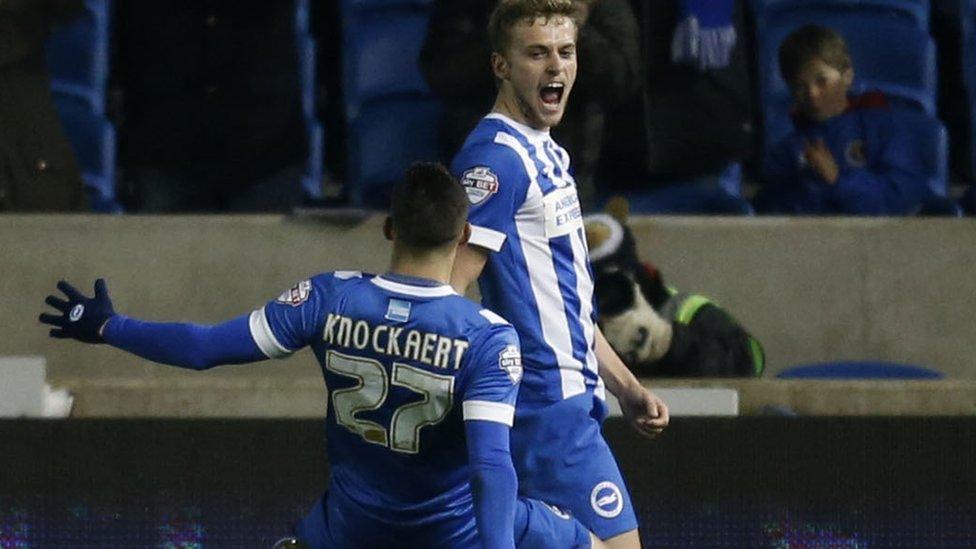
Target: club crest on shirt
column 510, row 360
column 480, row 183
column 297, row 294
column 606, row 499
column 855, row 154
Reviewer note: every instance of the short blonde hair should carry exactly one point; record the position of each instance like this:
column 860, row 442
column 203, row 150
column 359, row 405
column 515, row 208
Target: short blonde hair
column 509, row 12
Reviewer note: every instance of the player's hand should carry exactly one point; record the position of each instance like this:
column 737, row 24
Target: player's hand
column 645, row 411
column 821, row 160
column 81, row 317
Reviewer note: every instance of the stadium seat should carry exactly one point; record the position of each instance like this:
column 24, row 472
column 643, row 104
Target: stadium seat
column 916, row 11
column 93, row 138
column 858, row 369
column 77, row 55
column 386, row 138
column 393, row 118
column 381, row 49
column 686, row 199
column 307, row 51
column 888, row 55
column 691, row 198
column 390, row 3
column 933, row 141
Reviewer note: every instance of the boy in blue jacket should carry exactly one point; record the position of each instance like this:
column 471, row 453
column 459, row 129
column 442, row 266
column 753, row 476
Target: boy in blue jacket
column 847, row 154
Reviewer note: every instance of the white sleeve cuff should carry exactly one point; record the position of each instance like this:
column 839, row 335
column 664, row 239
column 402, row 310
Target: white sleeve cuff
column 487, row 238
column 263, row 336
column 484, row 410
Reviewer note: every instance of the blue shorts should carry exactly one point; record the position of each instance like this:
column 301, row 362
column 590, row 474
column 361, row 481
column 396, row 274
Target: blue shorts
column 334, row 524
column 562, row 458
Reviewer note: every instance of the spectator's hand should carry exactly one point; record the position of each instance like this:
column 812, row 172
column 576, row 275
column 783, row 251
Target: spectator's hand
column 645, row 411
column 81, row 318
column 821, row 160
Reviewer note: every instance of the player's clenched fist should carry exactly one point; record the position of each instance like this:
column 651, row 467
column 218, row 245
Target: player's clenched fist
column 80, row 317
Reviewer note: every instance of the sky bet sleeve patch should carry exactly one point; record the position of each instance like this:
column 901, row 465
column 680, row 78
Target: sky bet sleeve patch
column 297, row 294
column 510, row 360
column 480, row 183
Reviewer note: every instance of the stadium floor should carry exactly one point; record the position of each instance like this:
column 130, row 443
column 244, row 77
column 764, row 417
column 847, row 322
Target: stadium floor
column 746, row 482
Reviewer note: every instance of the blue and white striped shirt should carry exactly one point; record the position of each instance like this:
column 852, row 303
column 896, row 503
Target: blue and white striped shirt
column 524, row 209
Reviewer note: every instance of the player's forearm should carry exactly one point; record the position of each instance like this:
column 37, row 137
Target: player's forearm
column 615, row 374
column 189, row 346
column 494, row 485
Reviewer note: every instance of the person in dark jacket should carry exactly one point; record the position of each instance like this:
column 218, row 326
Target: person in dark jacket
column 455, row 62
column 38, row 169
column 211, row 104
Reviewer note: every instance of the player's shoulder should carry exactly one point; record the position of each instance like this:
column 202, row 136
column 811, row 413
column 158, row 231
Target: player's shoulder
column 332, row 281
column 488, row 325
column 318, row 286
column 484, row 148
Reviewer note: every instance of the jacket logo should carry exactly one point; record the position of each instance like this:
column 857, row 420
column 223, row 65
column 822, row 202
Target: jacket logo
column 855, row 154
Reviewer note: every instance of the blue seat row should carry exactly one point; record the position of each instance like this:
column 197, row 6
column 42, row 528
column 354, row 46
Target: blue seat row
column 392, row 116
column 306, row 49
column 78, row 61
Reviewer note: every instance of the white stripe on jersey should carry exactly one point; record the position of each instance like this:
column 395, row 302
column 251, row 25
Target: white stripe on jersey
column 492, row 316
column 543, row 278
column 263, row 337
column 584, row 287
column 408, row 289
column 487, row 238
column 485, row 410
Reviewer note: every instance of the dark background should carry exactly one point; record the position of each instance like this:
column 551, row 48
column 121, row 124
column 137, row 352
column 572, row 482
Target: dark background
column 743, row 482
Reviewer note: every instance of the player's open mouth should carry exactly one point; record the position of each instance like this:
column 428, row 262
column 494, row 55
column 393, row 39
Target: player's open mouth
column 552, row 93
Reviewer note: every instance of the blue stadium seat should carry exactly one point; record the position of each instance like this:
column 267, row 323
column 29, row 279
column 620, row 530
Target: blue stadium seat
column 933, row 140
column 93, row 138
column 859, row 369
column 381, row 49
column 307, row 52
column 77, row 55
column 386, row 138
column 930, row 134
column 393, row 118
column 691, row 198
column 359, row 4
column 888, row 55
column 916, row 11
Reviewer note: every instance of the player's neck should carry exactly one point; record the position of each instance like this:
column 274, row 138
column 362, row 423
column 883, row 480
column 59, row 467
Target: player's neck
column 432, row 266
column 507, row 105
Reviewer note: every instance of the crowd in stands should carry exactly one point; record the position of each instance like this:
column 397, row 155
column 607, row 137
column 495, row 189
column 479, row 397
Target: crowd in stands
column 797, row 107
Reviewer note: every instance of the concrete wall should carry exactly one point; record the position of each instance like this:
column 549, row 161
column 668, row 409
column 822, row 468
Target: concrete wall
column 809, row 289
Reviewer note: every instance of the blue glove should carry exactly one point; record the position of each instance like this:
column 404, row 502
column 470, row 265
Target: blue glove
column 81, row 318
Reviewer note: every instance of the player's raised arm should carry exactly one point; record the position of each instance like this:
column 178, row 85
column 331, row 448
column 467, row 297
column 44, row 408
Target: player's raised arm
column 193, row 346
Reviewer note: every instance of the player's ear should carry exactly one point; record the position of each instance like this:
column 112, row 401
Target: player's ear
column 465, row 233
column 388, row 228
column 499, row 66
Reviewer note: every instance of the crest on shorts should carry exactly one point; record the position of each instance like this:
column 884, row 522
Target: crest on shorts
column 480, row 183
column 297, row 294
column 606, row 499
column 510, row 360
column 855, row 154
